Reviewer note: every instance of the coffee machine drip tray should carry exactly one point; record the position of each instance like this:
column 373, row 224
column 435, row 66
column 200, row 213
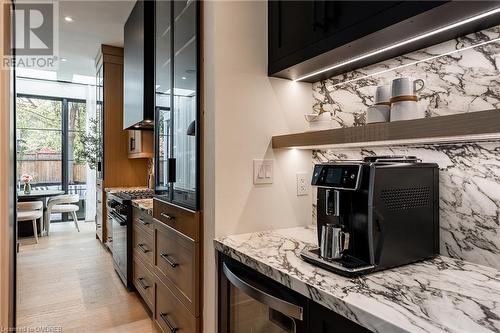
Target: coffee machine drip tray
column 346, row 266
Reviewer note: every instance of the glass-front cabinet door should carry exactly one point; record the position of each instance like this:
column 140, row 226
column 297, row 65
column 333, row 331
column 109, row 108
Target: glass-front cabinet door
column 177, row 102
column 185, row 103
column 163, row 85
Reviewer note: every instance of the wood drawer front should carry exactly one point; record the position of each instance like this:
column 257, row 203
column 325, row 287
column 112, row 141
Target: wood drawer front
column 170, row 314
column 144, row 283
column 182, row 220
column 142, row 244
column 176, row 263
column 143, row 220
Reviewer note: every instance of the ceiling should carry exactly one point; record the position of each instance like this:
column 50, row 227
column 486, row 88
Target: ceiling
column 94, row 23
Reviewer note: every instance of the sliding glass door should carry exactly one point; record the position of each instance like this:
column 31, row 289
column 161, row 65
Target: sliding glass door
column 76, row 165
column 49, row 145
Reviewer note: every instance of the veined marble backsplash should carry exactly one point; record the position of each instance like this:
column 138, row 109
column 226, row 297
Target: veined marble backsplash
column 469, row 192
column 461, row 75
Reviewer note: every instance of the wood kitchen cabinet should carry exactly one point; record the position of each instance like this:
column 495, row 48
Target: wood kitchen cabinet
column 166, row 265
column 176, row 266
column 114, row 168
column 143, row 251
column 140, row 144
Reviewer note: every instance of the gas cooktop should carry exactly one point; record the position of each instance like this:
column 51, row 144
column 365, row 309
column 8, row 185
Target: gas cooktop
column 134, row 194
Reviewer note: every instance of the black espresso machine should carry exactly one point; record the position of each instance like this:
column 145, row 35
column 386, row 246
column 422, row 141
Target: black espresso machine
column 375, row 214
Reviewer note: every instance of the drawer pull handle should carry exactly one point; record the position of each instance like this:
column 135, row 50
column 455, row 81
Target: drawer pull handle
column 141, row 221
column 142, row 283
column 165, row 257
column 143, row 248
column 172, row 328
column 167, row 216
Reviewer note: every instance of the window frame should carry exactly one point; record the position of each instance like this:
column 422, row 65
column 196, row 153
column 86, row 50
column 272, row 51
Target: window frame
column 64, row 134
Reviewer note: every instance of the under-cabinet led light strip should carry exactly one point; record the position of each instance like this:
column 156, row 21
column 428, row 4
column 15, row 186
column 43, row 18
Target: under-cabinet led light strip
column 417, row 62
column 408, row 41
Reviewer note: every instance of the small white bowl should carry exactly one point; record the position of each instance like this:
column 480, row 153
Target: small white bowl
column 311, row 117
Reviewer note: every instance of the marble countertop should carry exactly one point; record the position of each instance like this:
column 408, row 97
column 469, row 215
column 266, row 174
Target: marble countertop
column 144, row 204
column 438, row 295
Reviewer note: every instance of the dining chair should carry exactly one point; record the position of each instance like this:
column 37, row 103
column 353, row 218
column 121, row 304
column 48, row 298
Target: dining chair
column 62, row 204
column 31, row 211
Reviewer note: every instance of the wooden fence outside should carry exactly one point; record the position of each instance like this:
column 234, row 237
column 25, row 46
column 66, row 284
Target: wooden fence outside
column 50, row 171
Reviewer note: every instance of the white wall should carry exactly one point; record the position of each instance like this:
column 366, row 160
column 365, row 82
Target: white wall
column 51, row 88
column 244, row 108
column 6, row 183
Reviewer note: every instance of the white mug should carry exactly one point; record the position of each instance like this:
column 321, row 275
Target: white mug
column 406, row 110
column 383, row 94
column 378, row 114
column 406, row 86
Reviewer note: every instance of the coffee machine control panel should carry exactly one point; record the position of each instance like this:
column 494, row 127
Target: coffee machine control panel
column 338, row 176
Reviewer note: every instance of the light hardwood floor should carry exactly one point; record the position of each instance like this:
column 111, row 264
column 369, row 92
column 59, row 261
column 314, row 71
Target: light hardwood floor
column 68, row 280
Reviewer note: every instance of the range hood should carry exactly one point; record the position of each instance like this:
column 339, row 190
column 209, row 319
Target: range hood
column 138, row 67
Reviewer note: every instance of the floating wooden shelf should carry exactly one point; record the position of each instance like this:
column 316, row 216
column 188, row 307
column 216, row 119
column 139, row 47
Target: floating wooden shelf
column 436, row 129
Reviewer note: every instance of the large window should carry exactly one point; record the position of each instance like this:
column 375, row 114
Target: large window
column 49, row 146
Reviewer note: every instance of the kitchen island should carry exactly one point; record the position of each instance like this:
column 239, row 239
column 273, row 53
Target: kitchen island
column 438, row 295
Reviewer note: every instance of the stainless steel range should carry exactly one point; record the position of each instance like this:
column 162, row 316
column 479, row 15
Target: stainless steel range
column 119, row 207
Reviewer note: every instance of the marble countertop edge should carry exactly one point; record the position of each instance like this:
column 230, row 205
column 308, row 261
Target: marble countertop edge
column 434, row 296
column 309, row 291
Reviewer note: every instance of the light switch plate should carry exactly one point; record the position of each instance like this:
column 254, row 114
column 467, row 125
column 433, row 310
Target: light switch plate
column 302, row 183
column 263, row 171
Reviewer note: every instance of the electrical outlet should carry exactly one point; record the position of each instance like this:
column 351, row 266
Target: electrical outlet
column 302, row 184
column 263, row 172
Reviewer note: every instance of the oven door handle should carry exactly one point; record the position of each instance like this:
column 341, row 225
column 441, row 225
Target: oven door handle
column 121, row 221
column 273, row 302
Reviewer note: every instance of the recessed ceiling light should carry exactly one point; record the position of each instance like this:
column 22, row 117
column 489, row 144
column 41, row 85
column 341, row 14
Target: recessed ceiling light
column 183, row 77
column 64, row 59
column 68, row 19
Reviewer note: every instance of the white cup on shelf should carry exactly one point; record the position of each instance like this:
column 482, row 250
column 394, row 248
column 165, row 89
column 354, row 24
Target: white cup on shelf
column 383, row 94
column 406, row 110
column 378, row 114
column 406, row 86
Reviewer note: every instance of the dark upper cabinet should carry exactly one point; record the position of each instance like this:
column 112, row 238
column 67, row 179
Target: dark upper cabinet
column 307, row 36
column 177, row 102
column 138, row 105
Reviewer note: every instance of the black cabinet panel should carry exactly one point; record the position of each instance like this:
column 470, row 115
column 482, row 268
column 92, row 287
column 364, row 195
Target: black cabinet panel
column 291, row 27
column 323, row 320
column 301, row 30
